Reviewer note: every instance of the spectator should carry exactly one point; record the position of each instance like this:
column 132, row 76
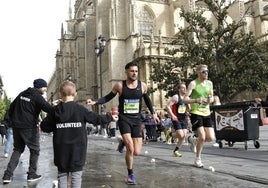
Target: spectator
column 149, row 124
column 112, row 129
column 167, row 128
column 7, row 135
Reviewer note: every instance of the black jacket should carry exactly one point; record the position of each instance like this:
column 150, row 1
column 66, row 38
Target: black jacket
column 26, row 107
column 68, row 123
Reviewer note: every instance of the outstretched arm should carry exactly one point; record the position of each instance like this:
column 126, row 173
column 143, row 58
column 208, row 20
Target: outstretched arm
column 48, row 124
column 107, row 97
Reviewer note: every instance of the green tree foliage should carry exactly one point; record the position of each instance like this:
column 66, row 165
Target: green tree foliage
column 236, row 61
column 4, row 106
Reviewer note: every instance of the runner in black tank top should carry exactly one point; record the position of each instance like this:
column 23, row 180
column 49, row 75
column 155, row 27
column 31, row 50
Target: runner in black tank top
column 178, row 117
column 131, row 91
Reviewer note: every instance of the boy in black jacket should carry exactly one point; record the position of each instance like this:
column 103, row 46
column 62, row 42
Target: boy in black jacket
column 68, row 124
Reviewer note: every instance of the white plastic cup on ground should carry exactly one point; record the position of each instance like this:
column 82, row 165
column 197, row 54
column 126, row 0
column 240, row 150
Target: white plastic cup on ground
column 211, row 168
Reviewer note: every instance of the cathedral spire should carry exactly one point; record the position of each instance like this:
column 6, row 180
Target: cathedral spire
column 70, row 9
column 62, row 31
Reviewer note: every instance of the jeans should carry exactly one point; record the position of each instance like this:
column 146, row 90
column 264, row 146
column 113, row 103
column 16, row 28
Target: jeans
column 76, row 179
column 9, row 140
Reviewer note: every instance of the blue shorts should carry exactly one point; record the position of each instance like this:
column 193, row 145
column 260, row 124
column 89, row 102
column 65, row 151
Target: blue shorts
column 177, row 125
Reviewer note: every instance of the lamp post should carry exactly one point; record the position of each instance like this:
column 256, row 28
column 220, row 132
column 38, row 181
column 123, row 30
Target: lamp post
column 99, row 49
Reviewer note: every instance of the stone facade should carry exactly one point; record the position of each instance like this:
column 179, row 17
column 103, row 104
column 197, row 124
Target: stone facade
column 135, row 30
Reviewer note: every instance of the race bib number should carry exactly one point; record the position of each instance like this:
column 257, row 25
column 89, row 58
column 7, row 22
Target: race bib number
column 182, row 109
column 131, row 106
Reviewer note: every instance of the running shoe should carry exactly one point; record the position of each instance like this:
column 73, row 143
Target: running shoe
column 131, row 180
column 198, row 163
column 177, row 154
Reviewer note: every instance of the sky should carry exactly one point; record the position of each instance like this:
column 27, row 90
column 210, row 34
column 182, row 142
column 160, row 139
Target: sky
column 29, row 33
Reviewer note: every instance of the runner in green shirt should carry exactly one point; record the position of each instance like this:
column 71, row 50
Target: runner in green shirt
column 200, row 95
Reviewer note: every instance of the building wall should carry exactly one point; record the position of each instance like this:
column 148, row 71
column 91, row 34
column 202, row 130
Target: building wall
column 118, row 22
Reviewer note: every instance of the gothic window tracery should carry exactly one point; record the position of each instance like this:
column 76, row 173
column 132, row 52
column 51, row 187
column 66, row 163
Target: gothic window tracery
column 145, row 22
column 265, row 9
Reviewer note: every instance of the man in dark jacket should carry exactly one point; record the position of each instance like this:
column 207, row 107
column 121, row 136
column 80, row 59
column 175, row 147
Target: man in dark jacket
column 24, row 112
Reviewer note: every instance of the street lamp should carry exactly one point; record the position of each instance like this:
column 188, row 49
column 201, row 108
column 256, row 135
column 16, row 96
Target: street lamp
column 99, row 49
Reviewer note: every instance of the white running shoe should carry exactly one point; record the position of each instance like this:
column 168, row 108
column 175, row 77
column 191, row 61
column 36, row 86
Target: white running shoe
column 198, row 163
column 192, row 141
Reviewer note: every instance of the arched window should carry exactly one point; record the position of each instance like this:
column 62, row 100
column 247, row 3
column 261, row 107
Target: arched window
column 145, row 22
column 265, row 9
column 90, row 8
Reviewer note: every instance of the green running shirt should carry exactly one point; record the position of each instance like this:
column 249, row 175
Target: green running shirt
column 198, row 92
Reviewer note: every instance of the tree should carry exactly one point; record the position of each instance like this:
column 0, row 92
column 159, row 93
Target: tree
column 4, row 106
column 235, row 60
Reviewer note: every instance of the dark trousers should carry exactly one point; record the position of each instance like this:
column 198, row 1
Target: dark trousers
column 149, row 131
column 112, row 132
column 22, row 138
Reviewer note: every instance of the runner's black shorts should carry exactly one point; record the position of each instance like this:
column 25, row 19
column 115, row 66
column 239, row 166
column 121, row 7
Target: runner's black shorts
column 200, row 121
column 130, row 124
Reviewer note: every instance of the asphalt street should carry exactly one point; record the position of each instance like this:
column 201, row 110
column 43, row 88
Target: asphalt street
column 234, row 166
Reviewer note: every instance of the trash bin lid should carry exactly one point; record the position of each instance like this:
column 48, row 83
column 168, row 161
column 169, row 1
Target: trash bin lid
column 243, row 104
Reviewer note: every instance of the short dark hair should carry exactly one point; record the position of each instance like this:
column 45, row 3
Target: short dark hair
column 131, row 64
column 179, row 85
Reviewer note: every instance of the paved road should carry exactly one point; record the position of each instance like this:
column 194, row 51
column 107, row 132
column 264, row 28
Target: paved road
column 235, row 166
